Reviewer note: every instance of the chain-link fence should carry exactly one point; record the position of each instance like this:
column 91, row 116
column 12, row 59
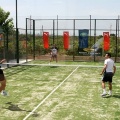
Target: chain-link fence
column 31, row 45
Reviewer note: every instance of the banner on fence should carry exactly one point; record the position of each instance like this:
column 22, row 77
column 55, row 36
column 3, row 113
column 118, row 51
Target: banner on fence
column 46, row 40
column 66, row 40
column 106, row 41
column 83, row 38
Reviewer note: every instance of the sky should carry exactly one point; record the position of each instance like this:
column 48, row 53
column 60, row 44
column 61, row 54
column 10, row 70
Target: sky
column 38, row 9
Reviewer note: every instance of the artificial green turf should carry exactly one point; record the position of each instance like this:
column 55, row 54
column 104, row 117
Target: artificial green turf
column 77, row 98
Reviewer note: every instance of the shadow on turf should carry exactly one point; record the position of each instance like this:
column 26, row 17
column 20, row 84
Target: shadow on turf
column 14, row 107
column 107, row 96
column 116, row 96
column 54, row 66
column 14, row 72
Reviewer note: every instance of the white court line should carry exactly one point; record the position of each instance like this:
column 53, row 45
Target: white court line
column 59, row 65
column 50, row 94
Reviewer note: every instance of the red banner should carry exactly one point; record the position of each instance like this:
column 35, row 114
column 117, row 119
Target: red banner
column 66, row 40
column 106, row 41
column 46, row 40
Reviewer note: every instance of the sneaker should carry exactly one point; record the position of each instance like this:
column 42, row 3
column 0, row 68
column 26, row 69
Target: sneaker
column 4, row 93
column 103, row 94
column 109, row 93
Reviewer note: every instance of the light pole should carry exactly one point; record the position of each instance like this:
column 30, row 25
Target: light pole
column 16, row 15
column 17, row 42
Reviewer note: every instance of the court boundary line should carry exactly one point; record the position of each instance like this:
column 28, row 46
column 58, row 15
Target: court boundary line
column 25, row 118
column 59, row 65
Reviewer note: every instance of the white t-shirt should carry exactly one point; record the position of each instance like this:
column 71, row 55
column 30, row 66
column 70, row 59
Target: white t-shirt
column 110, row 63
column 54, row 51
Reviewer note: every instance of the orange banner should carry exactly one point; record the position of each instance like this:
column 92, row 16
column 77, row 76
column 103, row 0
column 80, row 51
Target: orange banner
column 66, row 40
column 46, row 40
column 106, row 39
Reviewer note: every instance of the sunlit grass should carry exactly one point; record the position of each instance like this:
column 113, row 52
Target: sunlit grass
column 77, row 98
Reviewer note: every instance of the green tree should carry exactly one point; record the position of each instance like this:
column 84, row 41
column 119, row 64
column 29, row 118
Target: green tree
column 6, row 23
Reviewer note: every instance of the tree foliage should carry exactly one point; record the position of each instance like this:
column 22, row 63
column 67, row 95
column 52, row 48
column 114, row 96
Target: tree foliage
column 6, row 23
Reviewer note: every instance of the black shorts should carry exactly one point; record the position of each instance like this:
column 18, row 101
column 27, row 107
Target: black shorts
column 107, row 77
column 1, row 71
column 54, row 55
column 1, row 75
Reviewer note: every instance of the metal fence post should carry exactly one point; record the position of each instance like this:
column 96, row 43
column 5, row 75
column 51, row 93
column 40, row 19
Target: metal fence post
column 94, row 38
column 34, row 39
column 73, row 38
column 17, row 46
column 26, row 41
column 53, row 31
column 116, row 41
